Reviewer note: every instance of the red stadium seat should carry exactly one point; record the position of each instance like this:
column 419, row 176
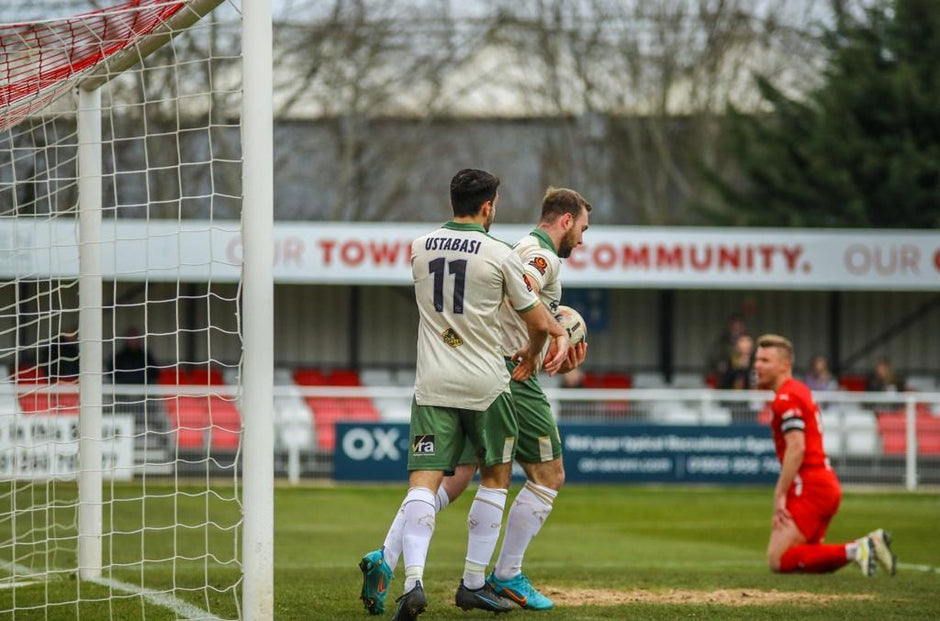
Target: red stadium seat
column 310, row 377
column 188, row 411
column 205, row 376
column 35, row 403
column 892, row 427
column 853, row 382
column 190, row 438
column 326, row 436
column 30, row 374
column 66, row 403
column 225, row 439
column 170, row 376
column 223, row 412
column 593, row 380
column 326, row 412
column 360, row 408
column 616, row 380
column 344, row 377
column 610, row 381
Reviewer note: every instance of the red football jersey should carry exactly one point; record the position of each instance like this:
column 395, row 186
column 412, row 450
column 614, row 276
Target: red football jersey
column 794, row 408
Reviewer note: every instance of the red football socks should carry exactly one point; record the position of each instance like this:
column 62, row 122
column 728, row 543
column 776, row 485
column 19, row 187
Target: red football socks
column 813, row 558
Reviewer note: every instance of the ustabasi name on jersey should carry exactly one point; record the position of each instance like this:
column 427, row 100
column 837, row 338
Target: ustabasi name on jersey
column 471, row 246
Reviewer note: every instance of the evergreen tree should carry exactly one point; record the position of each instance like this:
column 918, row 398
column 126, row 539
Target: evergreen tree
column 861, row 150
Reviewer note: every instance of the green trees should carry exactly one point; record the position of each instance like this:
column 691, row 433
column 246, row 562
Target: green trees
column 860, row 150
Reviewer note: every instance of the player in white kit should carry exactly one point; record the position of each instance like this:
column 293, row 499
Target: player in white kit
column 461, row 277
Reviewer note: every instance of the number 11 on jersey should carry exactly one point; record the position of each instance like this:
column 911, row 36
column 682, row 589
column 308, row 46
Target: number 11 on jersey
column 458, row 268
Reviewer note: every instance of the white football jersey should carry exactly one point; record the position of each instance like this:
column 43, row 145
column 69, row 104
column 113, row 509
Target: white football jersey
column 461, row 277
column 542, row 266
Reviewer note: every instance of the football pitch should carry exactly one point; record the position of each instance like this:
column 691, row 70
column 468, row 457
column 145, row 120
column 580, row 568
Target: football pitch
column 606, row 552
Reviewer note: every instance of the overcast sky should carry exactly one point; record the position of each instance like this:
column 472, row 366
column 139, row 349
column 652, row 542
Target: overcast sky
column 307, row 10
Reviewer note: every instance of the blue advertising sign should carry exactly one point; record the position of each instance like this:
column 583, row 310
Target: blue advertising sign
column 662, row 454
column 595, row 453
column 371, row 452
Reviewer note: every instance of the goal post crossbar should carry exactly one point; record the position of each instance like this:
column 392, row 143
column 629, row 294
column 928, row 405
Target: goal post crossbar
column 101, row 45
column 184, row 17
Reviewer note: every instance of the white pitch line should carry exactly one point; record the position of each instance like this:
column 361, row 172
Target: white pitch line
column 181, row 609
column 926, row 568
column 17, row 569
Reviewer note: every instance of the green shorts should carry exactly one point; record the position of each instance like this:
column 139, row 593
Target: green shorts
column 439, row 435
column 539, row 440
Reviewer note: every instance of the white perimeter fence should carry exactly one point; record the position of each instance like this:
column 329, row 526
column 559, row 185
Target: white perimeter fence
column 877, row 438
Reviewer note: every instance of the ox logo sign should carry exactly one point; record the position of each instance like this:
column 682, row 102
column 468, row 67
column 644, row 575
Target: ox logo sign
column 375, row 443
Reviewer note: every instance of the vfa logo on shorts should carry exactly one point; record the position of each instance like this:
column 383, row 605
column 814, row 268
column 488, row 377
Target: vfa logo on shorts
column 423, row 445
column 360, row 443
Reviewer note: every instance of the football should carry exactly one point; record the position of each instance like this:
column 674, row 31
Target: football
column 572, row 321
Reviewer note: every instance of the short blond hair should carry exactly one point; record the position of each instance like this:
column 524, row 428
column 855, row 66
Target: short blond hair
column 775, row 340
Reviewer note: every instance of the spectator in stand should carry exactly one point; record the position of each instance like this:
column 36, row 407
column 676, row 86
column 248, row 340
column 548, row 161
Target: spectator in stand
column 133, row 363
column 722, row 349
column 884, row 379
column 740, row 368
column 819, row 376
column 61, row 360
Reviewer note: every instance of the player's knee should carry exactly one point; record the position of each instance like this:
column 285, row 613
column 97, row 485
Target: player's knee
column 497, row 476
column 550, row 475
column 557, row 478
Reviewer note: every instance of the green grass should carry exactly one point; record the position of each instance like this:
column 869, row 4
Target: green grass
column 613, row 538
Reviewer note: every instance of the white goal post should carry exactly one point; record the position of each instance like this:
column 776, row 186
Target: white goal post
column 128, row 135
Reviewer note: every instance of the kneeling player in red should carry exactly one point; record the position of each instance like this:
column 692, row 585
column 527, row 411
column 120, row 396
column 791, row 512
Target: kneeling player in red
column 807, row 494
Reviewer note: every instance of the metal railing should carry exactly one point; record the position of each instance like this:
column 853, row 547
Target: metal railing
column 881, row 438
column 870, row 437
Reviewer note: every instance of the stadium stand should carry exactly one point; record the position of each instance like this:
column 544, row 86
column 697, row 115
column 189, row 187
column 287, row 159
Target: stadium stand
column 608, row 380
column 892, row 429
column 921, row 383
column 37, row 395
column 292, row 419
column 327, row 411
column 853, row 382
column 225, row 423
column 688, row 380
column 377, row 377
column 192, row 418
column 611, row 380
column 850, row 431
column 649, row 380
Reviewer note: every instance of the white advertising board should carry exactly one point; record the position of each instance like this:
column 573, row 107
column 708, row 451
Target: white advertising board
column 378, row 254
column 45, row 446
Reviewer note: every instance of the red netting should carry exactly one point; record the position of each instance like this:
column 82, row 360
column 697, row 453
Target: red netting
column 39, row 61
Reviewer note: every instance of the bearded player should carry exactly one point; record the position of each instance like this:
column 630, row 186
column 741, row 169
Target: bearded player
column 807, row 493
column 563, row 221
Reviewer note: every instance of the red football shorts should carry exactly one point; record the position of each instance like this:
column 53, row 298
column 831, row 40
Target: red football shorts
column 812, row 500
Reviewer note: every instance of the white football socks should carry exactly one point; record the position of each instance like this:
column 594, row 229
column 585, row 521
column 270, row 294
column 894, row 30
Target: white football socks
column 391, row 549
column 393, row 542
column 483, row 524
column 418, row 512
column 442, row 499
column 529, row 511
column 851, row 550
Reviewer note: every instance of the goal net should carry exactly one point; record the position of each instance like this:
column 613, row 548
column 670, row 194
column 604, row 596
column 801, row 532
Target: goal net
column 120, row 340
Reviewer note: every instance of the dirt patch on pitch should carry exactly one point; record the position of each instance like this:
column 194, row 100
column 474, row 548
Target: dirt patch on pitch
column 723, row 597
